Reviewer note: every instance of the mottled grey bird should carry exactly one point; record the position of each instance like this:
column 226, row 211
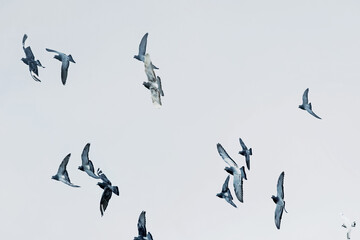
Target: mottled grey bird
column 153, row 83
column 279, row 200
column 238, row 173
column 225, row 192
column 347, row 224
column 62, row 174
column 30, row 61
column 142, row 50
column 108, row 190
column 245, row 152
column 65, row 62
column 86, row 164
column 143, row 234
column 306, row 105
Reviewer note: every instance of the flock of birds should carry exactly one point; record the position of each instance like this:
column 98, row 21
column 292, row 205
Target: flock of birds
column 154, row 85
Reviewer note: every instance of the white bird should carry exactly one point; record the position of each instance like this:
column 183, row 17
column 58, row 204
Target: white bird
column 347, row 224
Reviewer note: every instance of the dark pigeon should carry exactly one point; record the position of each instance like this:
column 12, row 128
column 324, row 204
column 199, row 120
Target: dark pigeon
column 30, row 61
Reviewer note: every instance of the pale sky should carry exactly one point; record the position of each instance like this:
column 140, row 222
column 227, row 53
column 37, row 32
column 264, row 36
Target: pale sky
column 229, row 69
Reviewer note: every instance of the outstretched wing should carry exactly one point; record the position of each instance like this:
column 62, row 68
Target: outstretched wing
column 62, row 167
column 238, row 187
column 103, row 177
column 50, row 50
column 142, row 224
column 158, row 80
column 243, row 146
column 149, row 236
column 105, row 198
column 225, row 156
column 64, row 70
column 312, row 113
column 278, row 214
column 85, row 155
column 280, row 186
column 226, row 184
column 142, row 46
column 305, row 97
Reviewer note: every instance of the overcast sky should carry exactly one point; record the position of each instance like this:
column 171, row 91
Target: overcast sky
column 229, row 69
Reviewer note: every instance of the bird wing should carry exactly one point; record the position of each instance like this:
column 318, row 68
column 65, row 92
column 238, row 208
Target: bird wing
column 24, row 39
column 105, row 198
column 242, row 144
column 64, row 70
column 155, row 96
column 50, row 50
column 158, row 81
column 103, row 177
column 238, row 186
column 226, row 156
column 149, row 236
column 62, row 167
column 142, row 46
column 226, row 184
column 312, row 113
column 142, row 224
column 305, row 97
column 278, row 214
column 280, row 186
column 28, row 53
column 85, row 155
column 247, row 159
column 34, row 75
column 231, row 202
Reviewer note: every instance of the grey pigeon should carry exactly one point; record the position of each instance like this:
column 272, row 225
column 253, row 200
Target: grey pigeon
column 62, row 174
column 143, row 235
column 153, row 83
column 108, row 190
column 238, row 173
column 306, row 105
column 30, row 61
column 348, row 225
column 65, row 62
column 245, row 152
column 225, row 192
column 142, row 50
column 86, row 164
column 279, row 200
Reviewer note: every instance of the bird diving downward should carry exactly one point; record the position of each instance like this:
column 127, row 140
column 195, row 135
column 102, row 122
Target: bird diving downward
column 30, row 61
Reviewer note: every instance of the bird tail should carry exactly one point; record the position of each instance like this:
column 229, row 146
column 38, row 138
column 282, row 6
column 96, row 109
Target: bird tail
column 242, row 152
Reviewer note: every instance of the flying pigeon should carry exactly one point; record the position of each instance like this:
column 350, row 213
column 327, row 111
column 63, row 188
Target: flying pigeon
column 155, row 90
column 225, row 192
column 30, row 61
column 86, row 164
column 238, row 173
column 142, row 50
column 306, row 105
column 348, row 225
column 62, row 174
column 279, row 200
column 245, row 152
column 65, row 62
column 108, row 190
column 143, row 234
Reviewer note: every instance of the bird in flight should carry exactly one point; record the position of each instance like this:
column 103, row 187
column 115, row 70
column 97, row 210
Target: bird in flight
column 245, row 152
column 153, row 83
column 86, row 164
column 143, row 234
column 65, row 62
column 62, row 174
column 347, row 224
column 225, row 192
column 279, row 200
column 30, row 61
column 238, row 173
column 306, row 105
column 108, row 190
column 142, row 50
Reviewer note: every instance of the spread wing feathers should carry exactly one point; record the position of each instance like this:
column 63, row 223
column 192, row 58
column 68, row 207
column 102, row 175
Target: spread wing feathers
column 155, row 96
column 142, row 224
column 312, row 113
column 305, row 97
column 243, row 146
column 142, row 46
column 158, row 80
column 280, row 186
column 50, row 50
column 64, row 71
column 105, row 198
column 149, row 236
column 278, row 214
column 85, row 155
column 226, row 156
column 238, row 187
column 226, row 184
column 24, row 39
column 103, row 177
column 35, row 75
column 62, row 167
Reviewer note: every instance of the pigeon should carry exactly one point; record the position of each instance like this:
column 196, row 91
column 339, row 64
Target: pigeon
column 30, row 60
column 65, row 60
column 348, row 225
column 108, row 190
column 155, row 90
column 306, row 105
column 62, row 174
column 86, row 164
column 245, row 152
column 238, row 173
column 225, row 192
column 143, row 235
column 279, row 200
column 142, row 50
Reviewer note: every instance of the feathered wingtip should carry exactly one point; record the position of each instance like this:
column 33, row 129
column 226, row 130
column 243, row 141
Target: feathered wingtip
column 250, row 151
column 24, row 39
column 243, row 173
